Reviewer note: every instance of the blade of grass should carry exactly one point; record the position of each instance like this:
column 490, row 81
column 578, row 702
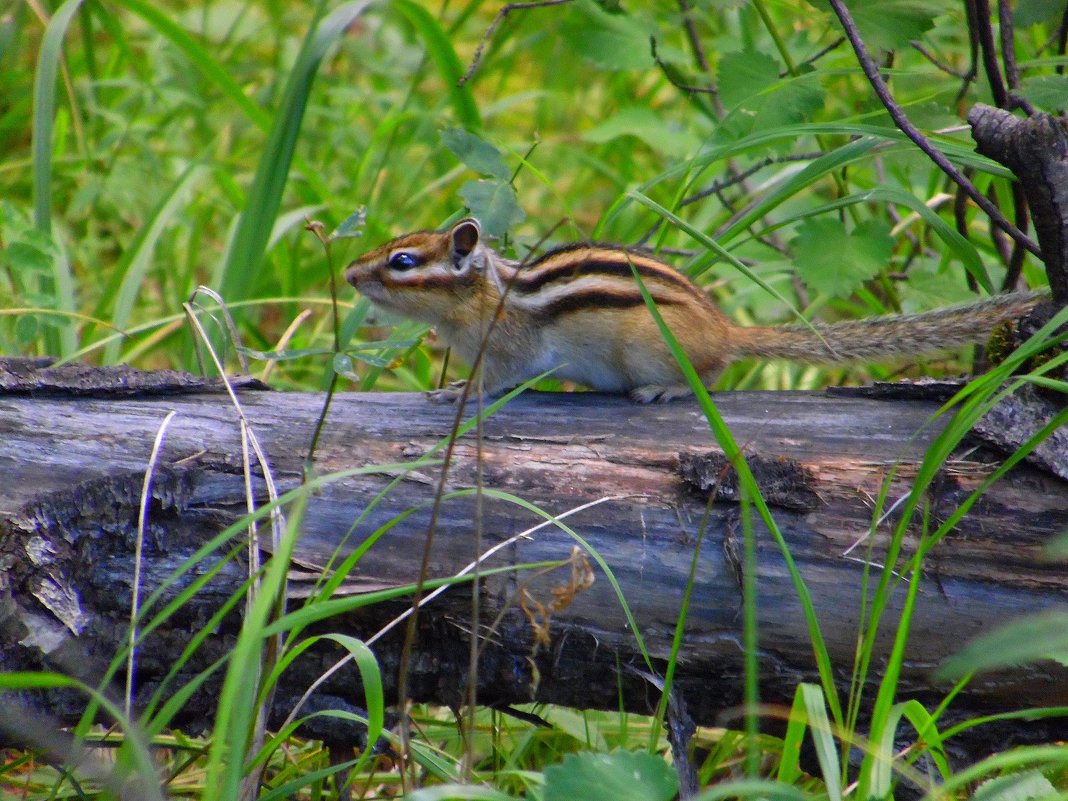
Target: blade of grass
column 134, row 759
column 439, row 46
column 61, row 283
column 981, row 395
column 745, row 477
column 715, row 247
column 248, row 246
column 130, row 271
column 820, row 729
column 44, row 108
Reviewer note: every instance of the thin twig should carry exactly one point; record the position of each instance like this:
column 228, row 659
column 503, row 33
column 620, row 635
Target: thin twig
column 927, row 54
column 699, row 57
column 719, row 185
column 1000, row 241
column 822, row 52
column 1016, row 260
column 989, row 53
column 960, row 219
column 1008, row 58
column 435, row 511
column 1062, row 39
column 316, row 228
column 902, row 121
column 504, row 12
column 1008, row 45
column 973, row 52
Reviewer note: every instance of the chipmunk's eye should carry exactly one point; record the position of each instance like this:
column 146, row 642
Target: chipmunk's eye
column 404, row 261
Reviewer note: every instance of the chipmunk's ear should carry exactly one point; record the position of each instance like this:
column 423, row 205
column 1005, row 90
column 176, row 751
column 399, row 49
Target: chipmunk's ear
column 464, row 238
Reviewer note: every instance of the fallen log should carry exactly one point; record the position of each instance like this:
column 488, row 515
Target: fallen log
column 651, row 479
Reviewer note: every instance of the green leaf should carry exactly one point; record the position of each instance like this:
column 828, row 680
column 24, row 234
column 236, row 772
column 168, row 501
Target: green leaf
column 44, row 106
column 745, row 74
column 1048, row 92
column 476, row 153
column 891, row 24
column 352, row 226
column 1016, row 787
column 344, row 367
column 615, row 41
column 641, row 122
column 370, row 679
column 578, row 725
column 835, row 262
column 1031, row 639
column 494, row 204
column 1033, row 12
column 760, row 99
column 33, row 254
column 26, row 329
column 618, row 776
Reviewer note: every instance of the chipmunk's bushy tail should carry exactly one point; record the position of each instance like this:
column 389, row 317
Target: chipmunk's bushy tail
column 884, row 337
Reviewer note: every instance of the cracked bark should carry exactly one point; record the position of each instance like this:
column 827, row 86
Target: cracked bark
column 73, row 466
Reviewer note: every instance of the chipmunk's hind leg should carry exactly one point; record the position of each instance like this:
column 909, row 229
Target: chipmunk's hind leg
column 662, row 393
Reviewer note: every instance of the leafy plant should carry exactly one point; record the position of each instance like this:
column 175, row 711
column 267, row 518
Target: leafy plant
column 797, row 159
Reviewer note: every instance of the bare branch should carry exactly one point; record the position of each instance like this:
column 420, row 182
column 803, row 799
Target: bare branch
column 989, row 52
column 1008, row 58
column 927, row 54
column 823, row 51
column 1008, row 45
column 699, row 57
column 504, row 12
column 871, row 70
column 725, row 183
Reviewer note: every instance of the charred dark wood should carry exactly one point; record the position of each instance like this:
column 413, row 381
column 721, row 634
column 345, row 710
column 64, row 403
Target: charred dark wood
column 1036, row 150
column 72, row 470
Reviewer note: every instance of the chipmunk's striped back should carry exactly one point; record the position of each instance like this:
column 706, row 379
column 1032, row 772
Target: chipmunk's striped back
column 581, row 277
column 579, row 311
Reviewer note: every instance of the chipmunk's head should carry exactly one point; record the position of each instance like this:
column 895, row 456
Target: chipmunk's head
column 424, row 275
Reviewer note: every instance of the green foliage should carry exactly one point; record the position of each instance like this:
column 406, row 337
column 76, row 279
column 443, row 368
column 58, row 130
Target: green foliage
column 652, row 129
column 1047, row 92
column 1014, row 645
column 147, row 150
column 890, row 24
column 613, row 40
column 615, row 776
column 1028, row 786
column 759, row 99
column 476, row 153
column 494, row 203
column 820, row 244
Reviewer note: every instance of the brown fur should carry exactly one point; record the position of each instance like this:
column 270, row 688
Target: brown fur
column 579, row 310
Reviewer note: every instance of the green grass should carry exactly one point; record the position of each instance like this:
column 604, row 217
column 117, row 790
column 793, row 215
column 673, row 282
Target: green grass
column 147, row 150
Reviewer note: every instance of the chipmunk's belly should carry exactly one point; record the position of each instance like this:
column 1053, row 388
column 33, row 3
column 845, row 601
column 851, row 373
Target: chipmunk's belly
column 590, row 361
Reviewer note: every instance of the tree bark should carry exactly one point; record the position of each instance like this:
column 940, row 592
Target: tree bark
column 72, row 470
column 1036, row 150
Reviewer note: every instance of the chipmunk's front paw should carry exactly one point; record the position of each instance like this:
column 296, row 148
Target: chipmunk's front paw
column 450, row 394
column 655, row 393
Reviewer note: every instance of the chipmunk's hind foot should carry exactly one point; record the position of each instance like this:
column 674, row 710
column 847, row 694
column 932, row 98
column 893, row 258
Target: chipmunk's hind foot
column 657, row 393
column 450, row 394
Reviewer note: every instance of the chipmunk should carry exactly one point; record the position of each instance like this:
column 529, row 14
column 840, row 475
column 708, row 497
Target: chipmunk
column 578, row 311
